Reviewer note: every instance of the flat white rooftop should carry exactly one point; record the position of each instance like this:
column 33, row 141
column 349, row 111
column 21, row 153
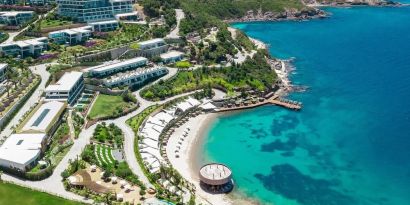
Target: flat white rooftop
column 127, row 14
column 132, row 74
column 66, row 82
column 117, row 64
column 152, row 41
column 103, row 22
column 43, row 118
column 14, row 13
column 73, row 31
column 21, row 44
column 21, row 148
column 171, row 54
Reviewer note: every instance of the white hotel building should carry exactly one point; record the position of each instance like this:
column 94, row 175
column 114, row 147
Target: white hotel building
column 71, row 36
column 153, row 47
column 45, row 119
column 21, row 151
column 113, row 67
column 137, row 77
column 67, row 89
column 32, row 47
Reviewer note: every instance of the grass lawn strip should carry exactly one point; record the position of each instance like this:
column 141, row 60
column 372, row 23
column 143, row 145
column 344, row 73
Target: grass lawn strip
column 97, row 156
column 15, row 195
column 111, row 158
column 107, row 152
column 101, row 155
column 106, row 105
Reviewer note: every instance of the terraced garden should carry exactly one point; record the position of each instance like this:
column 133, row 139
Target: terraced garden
column 103, row 154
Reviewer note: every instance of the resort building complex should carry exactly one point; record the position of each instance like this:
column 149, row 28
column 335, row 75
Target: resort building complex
column 8, row 2
column 40, row 2
column 104, row 26
column 3, row 68
column 93, row 10
column 71, row 36
column 153, row 47
column 45, row 118
column 32, row 47
column 172, row 57
column 15, row 18
column 68, row 88
column 151, row 44
column 80, row 35
column 136, row 77
column 21, row 151
column 113, row 67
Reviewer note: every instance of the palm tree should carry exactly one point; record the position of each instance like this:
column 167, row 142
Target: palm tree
column 12, row 75
column 108, row 197
column 1, row 173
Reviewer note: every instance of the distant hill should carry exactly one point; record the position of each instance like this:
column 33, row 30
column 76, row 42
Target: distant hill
column 229, row 9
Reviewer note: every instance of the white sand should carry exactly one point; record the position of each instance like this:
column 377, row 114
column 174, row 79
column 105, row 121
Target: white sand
column 183, row 163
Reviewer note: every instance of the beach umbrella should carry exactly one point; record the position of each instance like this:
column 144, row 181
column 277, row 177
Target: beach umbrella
column 114, row 179
column 123, row 183
column 120, row 197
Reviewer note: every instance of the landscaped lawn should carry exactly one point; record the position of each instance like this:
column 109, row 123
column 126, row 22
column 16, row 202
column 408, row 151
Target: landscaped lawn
column 13, row 194
column 107, row 105
column 54, row 23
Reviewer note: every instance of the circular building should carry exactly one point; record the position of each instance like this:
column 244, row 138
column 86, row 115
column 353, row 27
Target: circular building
column 216, row 178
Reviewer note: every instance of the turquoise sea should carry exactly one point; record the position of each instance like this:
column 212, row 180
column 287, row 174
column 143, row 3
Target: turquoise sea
column 350, row 145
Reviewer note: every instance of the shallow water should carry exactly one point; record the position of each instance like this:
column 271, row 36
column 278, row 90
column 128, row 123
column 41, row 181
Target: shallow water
column 351, row 142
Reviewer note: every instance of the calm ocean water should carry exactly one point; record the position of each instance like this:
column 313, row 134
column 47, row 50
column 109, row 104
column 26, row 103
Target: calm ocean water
column 351, row 142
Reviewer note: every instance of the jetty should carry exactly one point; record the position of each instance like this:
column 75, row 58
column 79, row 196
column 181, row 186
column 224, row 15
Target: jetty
column 274, row 100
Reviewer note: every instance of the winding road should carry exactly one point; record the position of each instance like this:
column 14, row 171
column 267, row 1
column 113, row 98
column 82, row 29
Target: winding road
column 53, row 184
column 175, row 32
column 34, row 98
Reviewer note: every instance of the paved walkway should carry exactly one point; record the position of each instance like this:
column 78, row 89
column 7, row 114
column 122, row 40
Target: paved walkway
column 70, row 124
column 34, row 98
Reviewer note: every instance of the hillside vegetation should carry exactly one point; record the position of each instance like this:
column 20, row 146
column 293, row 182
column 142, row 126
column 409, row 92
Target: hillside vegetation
column 225, row 9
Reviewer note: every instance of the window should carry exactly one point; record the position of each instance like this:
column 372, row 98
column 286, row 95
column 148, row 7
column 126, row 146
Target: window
column 41, row 117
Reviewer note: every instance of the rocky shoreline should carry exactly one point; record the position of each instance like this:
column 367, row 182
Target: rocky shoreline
column 289, row 14
column 311, row 12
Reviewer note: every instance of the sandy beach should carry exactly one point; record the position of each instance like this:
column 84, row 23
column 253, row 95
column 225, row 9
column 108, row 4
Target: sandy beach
column 190, row 157
column 187, row 163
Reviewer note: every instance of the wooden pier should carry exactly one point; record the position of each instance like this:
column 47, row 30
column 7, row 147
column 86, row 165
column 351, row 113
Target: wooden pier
column 274, row 100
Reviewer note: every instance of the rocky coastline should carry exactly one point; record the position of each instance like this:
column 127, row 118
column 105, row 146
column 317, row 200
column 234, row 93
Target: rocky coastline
column 310, row 12
column 288, row 14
